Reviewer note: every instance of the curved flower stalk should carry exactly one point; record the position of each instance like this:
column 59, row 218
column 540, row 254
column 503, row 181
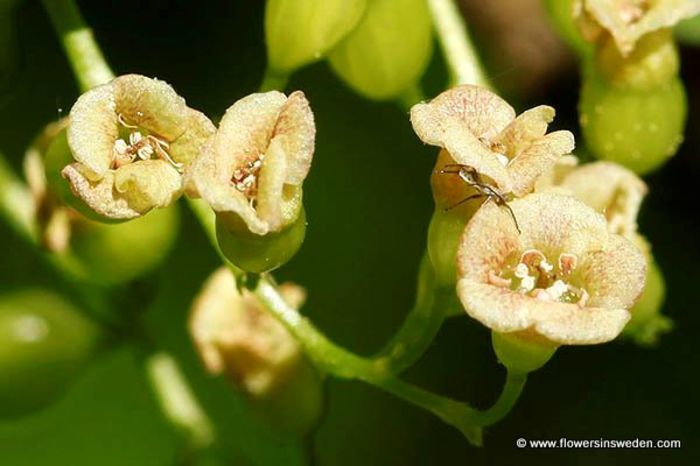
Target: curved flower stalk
column 131, row 140
column 251, row 174
column 236, row 337
column 565, row 279
column 627, row 21
column 479, row 129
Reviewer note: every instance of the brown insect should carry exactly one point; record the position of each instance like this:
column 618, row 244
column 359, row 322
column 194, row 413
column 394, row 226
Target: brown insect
column 484, row 190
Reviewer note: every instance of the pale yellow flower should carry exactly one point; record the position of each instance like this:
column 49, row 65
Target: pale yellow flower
column 131, row 139
column 480, row 130
column 564, row 278
column 236, row 337
column 251, row 171
column 628, row 20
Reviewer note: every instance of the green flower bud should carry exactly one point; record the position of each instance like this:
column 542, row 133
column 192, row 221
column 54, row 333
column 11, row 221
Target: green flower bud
column 521, row 352
column 388, row 51
column 131, row 139
column 44, row 344
column 251, row 174
column 260, row 253
column 444, row 232
column 639, row 129
column 647, row 322
column 236, row 338
column 299, row 32
column 95, row 250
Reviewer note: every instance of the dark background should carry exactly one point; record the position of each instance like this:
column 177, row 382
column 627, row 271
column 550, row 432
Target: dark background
column 368, row 203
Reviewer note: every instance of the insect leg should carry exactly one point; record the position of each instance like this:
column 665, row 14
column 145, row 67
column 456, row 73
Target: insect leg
column 466, row 199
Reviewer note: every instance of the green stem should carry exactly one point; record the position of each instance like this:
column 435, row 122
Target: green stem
column 177, row 401
column 273, row 81
column 17, row 204
column 89, row 65
column 420, row 326
column 513, row 388
column 461, row 56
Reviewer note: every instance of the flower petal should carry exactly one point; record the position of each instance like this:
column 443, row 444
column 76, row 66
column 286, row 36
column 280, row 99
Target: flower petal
column 296, row 124
column 555, row 224
column 246, row 129
column 148, row 184
column 537, row 158
column 488, row 240
column 466, row 149
column 99, row 195
column 614, row 276
column 93, row 130
column 528, row 126
column 478, row 110
column 506, row 311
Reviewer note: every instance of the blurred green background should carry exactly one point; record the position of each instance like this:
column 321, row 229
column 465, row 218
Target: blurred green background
column 368, row 204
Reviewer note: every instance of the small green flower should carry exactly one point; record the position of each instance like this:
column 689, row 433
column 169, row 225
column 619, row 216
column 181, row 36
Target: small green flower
column 299, row 32
column 131, row 140
column 388, row 51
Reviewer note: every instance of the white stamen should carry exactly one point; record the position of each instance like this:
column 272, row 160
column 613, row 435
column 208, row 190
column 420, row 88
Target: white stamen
column 120, row 146
column 521, row 270
column 546, row 266
column 527, row 284
column 557, row 289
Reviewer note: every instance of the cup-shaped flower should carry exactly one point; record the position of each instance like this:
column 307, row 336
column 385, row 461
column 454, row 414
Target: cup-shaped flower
column 235, row 337
column 131, row 139
column 629, row 20
column 480, row 130
column 251, row 171
column 610, row 189
column 564, row 278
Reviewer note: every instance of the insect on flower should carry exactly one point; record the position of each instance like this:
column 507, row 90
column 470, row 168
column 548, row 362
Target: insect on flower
column 484, row 190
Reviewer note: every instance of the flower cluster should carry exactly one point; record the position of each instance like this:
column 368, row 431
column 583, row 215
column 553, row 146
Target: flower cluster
column 136, row 146
column 566, row 271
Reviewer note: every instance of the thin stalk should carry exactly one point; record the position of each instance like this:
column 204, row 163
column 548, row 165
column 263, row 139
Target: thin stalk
column 459, row 51
column 273, row 81
column 85, row 57
column 177, row 401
